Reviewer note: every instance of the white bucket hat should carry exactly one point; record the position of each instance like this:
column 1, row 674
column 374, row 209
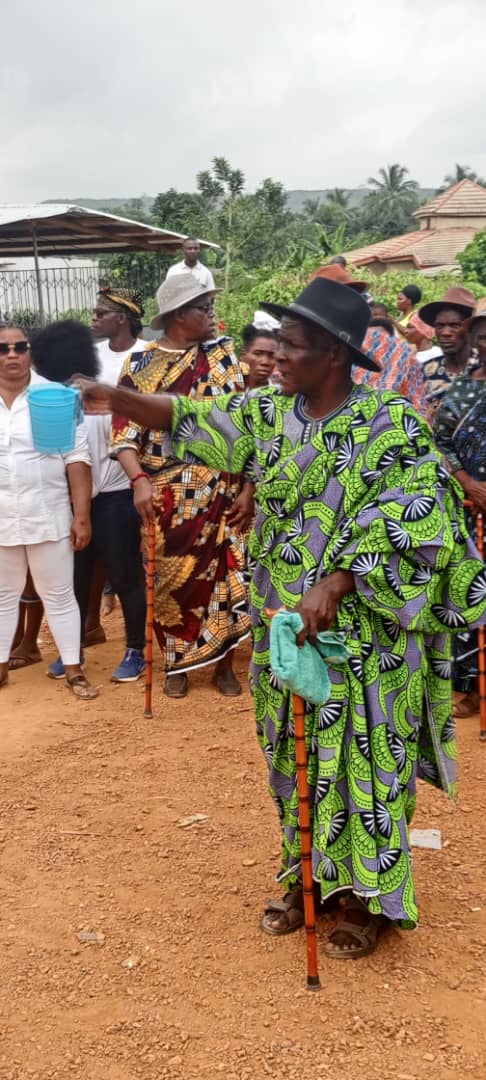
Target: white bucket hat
column 177, row 291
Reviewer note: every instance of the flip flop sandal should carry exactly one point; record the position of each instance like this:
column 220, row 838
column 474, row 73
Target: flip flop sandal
column 365, row 936
column 16, row 663
column 294, row 916
column 81, row 688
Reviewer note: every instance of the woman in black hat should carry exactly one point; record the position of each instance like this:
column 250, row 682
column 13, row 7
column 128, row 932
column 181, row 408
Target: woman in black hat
column 358, row 529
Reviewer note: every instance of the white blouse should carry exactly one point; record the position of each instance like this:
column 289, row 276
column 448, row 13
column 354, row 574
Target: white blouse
column 35, row 504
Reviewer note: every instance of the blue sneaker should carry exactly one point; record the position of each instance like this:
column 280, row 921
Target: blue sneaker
column 131, row 667
column 56, row 669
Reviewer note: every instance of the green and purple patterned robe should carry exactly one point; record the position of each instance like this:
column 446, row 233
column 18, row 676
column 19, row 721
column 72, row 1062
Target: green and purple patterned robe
column 363, row 490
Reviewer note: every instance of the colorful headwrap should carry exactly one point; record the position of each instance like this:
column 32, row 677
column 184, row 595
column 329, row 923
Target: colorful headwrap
column 127, row 298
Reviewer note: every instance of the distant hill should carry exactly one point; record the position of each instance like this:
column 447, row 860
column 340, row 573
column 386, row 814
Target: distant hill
column 295, row 199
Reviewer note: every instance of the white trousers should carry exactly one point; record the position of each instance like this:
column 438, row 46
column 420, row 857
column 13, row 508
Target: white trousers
column 51, row 565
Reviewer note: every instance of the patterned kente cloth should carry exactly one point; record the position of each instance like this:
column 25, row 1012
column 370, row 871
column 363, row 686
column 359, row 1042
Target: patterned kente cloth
column 201, row 609
column 363, row 490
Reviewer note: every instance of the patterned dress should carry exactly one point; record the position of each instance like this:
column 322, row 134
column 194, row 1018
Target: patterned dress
column 401, row 371
column 201, row 607
column 362, row 490
column 460, row 432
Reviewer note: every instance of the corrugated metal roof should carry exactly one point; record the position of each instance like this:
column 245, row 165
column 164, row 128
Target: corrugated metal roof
column 426, row 247
column 465, row 199
column 65, row 229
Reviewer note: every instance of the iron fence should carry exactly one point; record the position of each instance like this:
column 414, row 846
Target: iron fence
column 68, row 291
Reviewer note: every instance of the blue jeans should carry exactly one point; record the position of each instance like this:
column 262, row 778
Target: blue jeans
column 116, row 540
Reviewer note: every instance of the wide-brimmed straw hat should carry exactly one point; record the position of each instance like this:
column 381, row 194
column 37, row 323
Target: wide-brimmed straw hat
column 335, row 308
column 334, row 272
column 459, row 299
column 177, row 291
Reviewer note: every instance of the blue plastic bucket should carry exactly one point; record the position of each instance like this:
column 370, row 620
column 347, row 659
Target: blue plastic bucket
column 55, row 412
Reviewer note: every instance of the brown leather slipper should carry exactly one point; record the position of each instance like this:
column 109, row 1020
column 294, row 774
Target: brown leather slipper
column 176, row 685
column 226, row 682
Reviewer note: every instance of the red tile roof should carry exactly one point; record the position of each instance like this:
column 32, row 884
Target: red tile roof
column 425, row 247
column 465, row 199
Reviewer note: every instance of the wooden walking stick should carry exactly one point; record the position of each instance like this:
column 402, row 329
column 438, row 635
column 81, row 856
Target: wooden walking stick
column 149, row 630
column 481, row 641
column 298, row 710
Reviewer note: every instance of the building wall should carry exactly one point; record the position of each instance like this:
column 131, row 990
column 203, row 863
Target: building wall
column 453, row 222
column 378, row 268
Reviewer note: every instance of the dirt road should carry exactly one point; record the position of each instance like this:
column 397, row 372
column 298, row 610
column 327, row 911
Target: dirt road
column 179, row 982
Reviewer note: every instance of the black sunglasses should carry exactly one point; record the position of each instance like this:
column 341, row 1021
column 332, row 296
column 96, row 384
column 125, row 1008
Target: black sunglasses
column 200, row 307
column 19, row 347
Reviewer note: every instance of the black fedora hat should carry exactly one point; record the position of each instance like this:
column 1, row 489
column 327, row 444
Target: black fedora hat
column 335, row 308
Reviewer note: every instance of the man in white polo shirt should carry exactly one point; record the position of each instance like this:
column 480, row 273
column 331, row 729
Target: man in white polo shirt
column 191, row 264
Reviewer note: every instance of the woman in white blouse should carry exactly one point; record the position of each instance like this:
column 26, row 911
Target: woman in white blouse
column 38, row 529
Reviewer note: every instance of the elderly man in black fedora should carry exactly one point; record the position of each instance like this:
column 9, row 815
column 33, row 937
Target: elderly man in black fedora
column 448, row 317
column 359, row 529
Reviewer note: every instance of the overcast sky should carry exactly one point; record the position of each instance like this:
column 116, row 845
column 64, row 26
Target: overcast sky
column 103, row 98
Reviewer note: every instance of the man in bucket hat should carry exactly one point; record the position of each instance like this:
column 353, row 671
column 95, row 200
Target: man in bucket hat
column 359, row 529
column 448, row 317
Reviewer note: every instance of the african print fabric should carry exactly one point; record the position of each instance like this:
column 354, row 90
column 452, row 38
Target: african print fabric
column 460, row 426
column 460, row 432
column 401, row 371
column 362, row 490
column 439, row 379
column 200, row 604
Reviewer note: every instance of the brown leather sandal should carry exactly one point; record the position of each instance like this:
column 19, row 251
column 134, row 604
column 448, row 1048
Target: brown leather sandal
column 289, row 909
column 364, row 939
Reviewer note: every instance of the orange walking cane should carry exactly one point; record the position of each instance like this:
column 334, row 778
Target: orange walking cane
column 481, row 641
column 298, row 709
column 149, row 630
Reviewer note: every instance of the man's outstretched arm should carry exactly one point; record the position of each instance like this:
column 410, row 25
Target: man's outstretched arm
column 151, row 410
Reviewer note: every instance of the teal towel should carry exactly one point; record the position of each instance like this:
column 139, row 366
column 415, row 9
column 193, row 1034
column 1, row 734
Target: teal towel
column 303, row 670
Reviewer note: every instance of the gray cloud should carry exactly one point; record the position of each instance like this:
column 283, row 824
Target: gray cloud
column 118, row 99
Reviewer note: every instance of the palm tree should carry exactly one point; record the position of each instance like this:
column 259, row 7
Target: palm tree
column 390, row 203
column 339, row 197
column 461, row 172
column 392, row 182
column 311, row 207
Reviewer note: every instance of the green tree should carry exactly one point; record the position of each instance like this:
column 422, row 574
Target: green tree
column 179, row 211
column 461, row 172
column 389, row 206
column 338, row 197
column 473, row 259
column 223, row 187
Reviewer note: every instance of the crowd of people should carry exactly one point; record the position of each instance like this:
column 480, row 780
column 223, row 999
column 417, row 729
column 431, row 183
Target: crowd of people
column 325, row 472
